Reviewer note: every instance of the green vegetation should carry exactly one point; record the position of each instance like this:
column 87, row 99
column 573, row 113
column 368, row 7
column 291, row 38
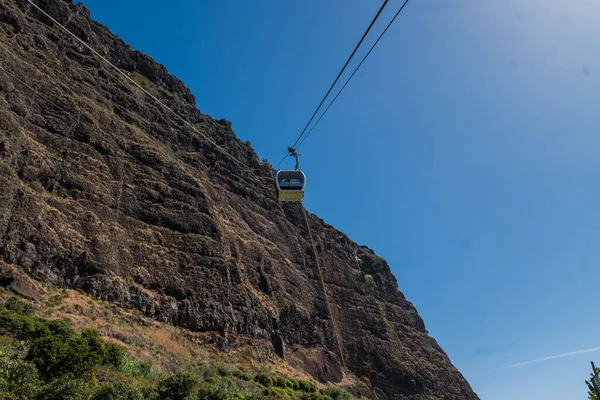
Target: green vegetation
column 117, row 391
column 43, row 359
column 140, row 369
column 143, row 81
column 591, row 392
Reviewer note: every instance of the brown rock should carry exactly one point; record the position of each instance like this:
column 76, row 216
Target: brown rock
column 103, row 190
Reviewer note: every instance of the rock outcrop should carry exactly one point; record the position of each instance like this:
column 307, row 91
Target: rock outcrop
column 102, row 189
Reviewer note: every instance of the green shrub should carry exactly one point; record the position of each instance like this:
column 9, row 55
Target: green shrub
column 63, row 351
column 307, row 386
column 15, row 324
column 101, row 352
column 51, row 356
column 150, row 393
column 117, row 391
column 7, row 396
column 263, row 379
column 209, row 392
column 223, row 371
column 178, row 386
column 289, row 384
column 258, row 396
column 269, row 393
column 206, row 371
column 142, row 80
column 238, row 373
column 113, row 355
column 313, row 396
column 295, row 384
column 278, row 381
column 226, row 382
column 337, row 393
column 66, row 387
column 283, row 382
column 141, row 369
column 18, row 376
column 58, row 328
column 19, row 306
column 81, row 353
column 284, row 394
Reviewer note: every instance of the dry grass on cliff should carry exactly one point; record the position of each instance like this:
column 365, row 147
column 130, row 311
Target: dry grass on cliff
column 168, row 347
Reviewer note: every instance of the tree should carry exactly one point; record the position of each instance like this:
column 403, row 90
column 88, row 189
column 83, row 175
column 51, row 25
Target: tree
column 591, row 391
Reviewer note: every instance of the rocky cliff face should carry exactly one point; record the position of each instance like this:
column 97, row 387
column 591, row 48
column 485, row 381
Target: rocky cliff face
column 101, row 189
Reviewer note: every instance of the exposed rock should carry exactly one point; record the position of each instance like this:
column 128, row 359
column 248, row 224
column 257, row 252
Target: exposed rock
column 101, row 189
column 13, row 280
column 323, row 364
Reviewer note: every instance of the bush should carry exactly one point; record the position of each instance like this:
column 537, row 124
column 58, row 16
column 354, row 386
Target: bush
column 117, row 391
column 141, row 369
column 213, row 393
column 246, row 376
column 58, row 328
column 206, row 371
column 142, row 80
column 226, row 382
column 313, row 396
column 223, row 371
column 19, row 306
column 17, row 376
column 337, row 393
column 84, row 354
column 238, row 373
column 51, row 357
column 270, row 393
column 178, row 386
column 62, row 351
column 15, row 324
column 283, row 382
column 113, row 355
column 263, row 379
column 278, row 381
column 284, row 394
column 307, row 386
column 258, row 396
column 66, row 387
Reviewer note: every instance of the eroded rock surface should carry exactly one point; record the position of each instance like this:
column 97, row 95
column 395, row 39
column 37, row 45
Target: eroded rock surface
column 102, row 189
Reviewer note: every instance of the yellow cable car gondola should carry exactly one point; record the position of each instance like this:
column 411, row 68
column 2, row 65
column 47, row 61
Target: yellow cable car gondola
column 291, row 184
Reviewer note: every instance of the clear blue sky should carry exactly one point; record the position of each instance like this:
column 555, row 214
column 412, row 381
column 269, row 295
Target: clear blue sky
column 466, row 152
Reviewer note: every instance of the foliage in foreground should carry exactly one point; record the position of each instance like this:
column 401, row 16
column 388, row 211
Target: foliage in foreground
column 43, row 359
column 591, row 392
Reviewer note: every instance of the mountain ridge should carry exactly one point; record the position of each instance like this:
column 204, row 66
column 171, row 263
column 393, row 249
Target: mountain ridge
column 105, row 192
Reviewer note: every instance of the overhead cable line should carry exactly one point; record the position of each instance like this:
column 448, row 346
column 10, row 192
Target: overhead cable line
column 140, row 87
column 355, row 70
column 342, row 70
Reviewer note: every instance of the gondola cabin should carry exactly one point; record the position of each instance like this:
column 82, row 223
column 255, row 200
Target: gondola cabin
column 290, row 185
